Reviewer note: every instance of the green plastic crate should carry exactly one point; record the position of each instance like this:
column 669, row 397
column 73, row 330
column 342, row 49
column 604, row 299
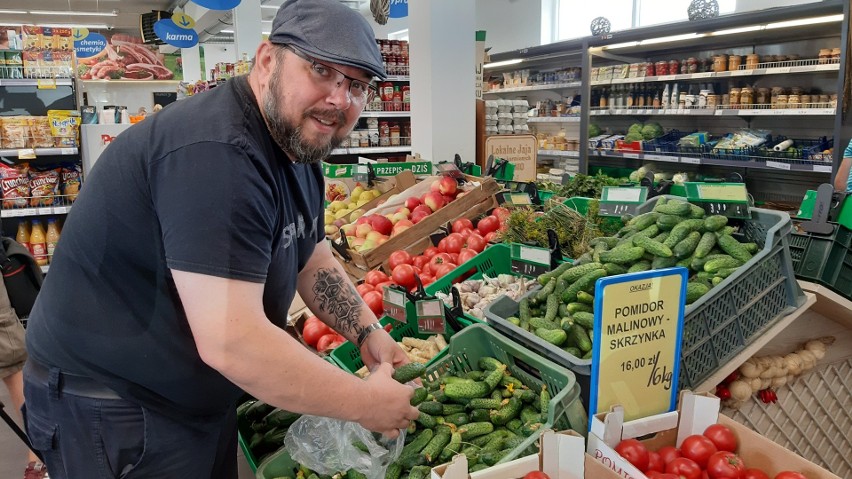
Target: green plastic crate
column 348, row 356
column 826, row 260
column 280, row 464
column 494, row 260
column 565, row 410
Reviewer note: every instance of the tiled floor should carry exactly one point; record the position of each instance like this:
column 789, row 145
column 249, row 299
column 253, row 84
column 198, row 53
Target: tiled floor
column 13, row 453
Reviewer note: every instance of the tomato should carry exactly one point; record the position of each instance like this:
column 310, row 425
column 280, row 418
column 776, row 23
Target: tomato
column 655, row 462
column 790, row 475
column 684, row 468
column 454, row 258
column 427, row 280
column 668, row 454
column 462, row 224
column 754, row 474
column 635, row 452
column 725, row 465
column 430, row 251
column 466, row 254
column 501, row 213
column 373, row 299
column 399, row 257
column 488, row 224
column 419, row 261
column 492, row 237
column 380, row 288
column 536, row 475
column 438, row 260
column 364, row 288
column 660, row 475
column 722, row 437
column 476, row 242
column 314, row 330
column 444, row 269
column 453, row 243
column 375, row 277
column 329, row 342
column 704, row 475
column 403, row 275
column 698, row 448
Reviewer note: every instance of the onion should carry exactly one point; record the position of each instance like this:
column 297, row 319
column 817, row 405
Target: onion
column 808, row 359
column 779, row 381
column 749, row 369
column 765, row 383
column 755, row 384
column 740, row 390
column 816, row 347
column 769, row 373
column 794, row 363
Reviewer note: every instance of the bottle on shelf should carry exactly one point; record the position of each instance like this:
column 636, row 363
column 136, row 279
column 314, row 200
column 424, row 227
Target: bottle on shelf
column 406, row 98
column 397, row 99
column 604, row 98
column 52, row 237
column 657, row 102
column 38, row 243
column 664, row 100
column 628, row 98
column 23, row 236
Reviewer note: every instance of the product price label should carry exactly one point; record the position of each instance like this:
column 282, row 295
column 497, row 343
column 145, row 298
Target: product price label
column 393, row 302
column 690, row 160
column 636, row 344
column 779, row 71
column 722, row 191
column 635, row 156
column 777, row 165
column 739, row 73
column 618, row 201
column 46, row 84
column 45, row 211
column 670, row 159
column 430, row 316
column 26, row 154
column 731, row 210
column 702, row 75
column 68, row 151
column 529, row 260
column 822, row 168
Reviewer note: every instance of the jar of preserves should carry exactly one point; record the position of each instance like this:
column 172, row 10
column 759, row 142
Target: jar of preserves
column 692, row 65
column 712, row 101
column 726, row 100
column 824, row 55
column 649, row 69
column 797, row 90
column 661, row 68
column 835, row 55
column 794, row 101
column 824, row 100
column 734, row 97
column 684, row 66
column 394, row 135
column 780, row 102
column 752, row 61
column 674, row 67
column 720, row 63
column 406, row 98
column 394, row 44
column 734, row 62
column 746, row 96
column 707, row 65
column 806, row 101
column 384, row 134
column 763, row 96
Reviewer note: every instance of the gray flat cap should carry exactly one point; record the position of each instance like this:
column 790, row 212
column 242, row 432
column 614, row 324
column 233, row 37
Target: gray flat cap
column 329, row 31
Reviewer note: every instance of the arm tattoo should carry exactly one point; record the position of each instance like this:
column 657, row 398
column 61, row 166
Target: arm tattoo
column 336, row 296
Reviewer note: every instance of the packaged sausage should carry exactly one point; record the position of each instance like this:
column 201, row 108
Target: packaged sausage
column 70, row 180
column 44, row 185
column 15, row 184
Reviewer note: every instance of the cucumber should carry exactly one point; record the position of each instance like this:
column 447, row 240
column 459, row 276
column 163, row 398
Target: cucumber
column 458, row 419
column 677, row 234
column 515, row 426
column 687, row 245
column 648, row 232
column 705, row 244
column 527, row 396
column 420, row 395
column 453, row 408
column 695, row 291
column 552, row 307
column 696, row 212
column 582, row 283
column 573, row 351
column 508, row 412
column 613, row 269
column 440, row 396
column 353, row 474
column 257, row 410
column 733, row 247
column 563, row 308
column 660, row 262
column 685, row 262
column 524, row 311
column 452, row 448
column 667, row 222
column 515, row 382
column 661, row 237
column 578, row 307
column 643, row 221
column 479, row 415
column 725, row 272
column 485, row 403
column 426, row 420
column 530, row 414
column 475, row 429
column 241, row 409
column 538, row 323
column 280, row 418
column 597, row 250
column 419, row 442
column 477, row 467
column 436, row 445
column 715, row 222
column 566, row 323
column 432, row 408
column 609, row 241
column 409, row 372
column 717, row 280
column 698, row 263
column 585, row 298
column 529, row 429
column 546, row 291
column 489, row 458
column 419, row 472
column 673, row 207
column 543, row 279
column 487, row 363
column 580, row 337
column 715, row 265
column 752, row 248
column 493, row 378
column 623, row 255
column 553, row 336
column 643, row 265
column 394, row 471
column 654, row 247
column 586, row 320
column 578, row 272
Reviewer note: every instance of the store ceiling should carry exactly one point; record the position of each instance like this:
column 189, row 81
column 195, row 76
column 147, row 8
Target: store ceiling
column 128, row 11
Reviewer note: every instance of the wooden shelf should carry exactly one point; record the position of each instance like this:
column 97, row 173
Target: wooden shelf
column 710, row 383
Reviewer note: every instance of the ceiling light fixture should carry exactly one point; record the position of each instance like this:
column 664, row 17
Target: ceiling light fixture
column 503, row 63
column 13, row 12
column 113, row 13
column 227, row 30
column 620, row 45
column 270, row 6
column 752, row 28
column 90, row 26
column 805, row 21
column 673, row 38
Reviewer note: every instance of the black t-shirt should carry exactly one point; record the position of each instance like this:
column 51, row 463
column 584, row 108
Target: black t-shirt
column 199, row 187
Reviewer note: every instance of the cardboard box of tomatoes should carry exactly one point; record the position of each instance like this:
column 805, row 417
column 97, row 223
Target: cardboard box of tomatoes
column 562, row 456
column 694, row 443
column 433, row 210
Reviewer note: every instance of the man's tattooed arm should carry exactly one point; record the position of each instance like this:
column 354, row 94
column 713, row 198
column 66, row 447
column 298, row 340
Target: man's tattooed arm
column 335, row 296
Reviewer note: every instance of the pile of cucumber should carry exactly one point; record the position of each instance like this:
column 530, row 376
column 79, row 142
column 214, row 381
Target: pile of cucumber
column 675, row 233
column 483, row 414
column 269, row 425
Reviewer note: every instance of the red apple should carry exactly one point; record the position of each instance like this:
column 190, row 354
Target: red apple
column 373, row 236
column 434, row 200
column 348, row 230
column 381, row 224
column 417, row 216
column 356, row 242
column 448, row 199
column 447, row 185
column 412, row 203
column 403, row 210
column 422, row 208
column 362, row 230
column 435, row 186
column 361, row 220
column 400, row 227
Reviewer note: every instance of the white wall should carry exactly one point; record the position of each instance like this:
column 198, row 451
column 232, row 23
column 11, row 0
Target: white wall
column 509, row 24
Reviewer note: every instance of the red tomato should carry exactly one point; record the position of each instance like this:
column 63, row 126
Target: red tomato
column 364, row 288
column 722, row 437
column 453, row 243
column 444, row 269
column 454, row 258
column 704, row 475
column 466, row 254
column 488, row 224
column 634, row 451
column 462, row 224
column 380, row 288
column 476, row 242
column 375, row 277
column 754, row 474
column 684, row 468
column 427, row 280
column 655, row 462
column 438, row 260
column 491, row 237
column 501, row 213
column 374, row 302
column 790, row 475
column 536, row 475
column 314, row 330
column 403, row 275
column 660, row 475
column 430, row 251
column 698, row 448
column 419, row 261
column 668, row 454
column 329, row 342
column 399, row 257
column 725, row 465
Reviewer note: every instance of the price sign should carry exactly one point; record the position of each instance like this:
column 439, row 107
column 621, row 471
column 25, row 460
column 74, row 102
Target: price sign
column 68, row 151
column 739, row 73
column 690, row 160
column 26, row 154
column 618, row 201
column 529, row 260
column 822, row 168
column 46, row 84
column 430, row 316
column 635, row 156
column 45, row 211
column 727, row 199
column 517, row 199
column 361, row 173
column 778, row 165
column 671, row 159
column 393, row 302
column 722, row 191
column 636, row 345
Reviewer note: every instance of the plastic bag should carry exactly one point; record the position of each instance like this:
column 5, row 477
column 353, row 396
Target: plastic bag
column 326, row 445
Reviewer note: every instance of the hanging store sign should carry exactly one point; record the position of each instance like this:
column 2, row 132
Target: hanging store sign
column 218, row 4
column 398, row 9
column 177, row 35
column 90, row 45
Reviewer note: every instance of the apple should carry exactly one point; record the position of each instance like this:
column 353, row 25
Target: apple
column 362, row 230
column 417, row 216
column 356, row 214
column 373, row 236
column 412, row 203
column 401, row 226
column 368, row 245
column 434, row 200
column 403, row 209
column 448, row 199
column 435, row 186
column 381, row 224
column 361, row 220
column 348, row 230
column 356, row 242
column 339, row 223
column 422, row 208
column 447, row 185
column 382, row 240
column 330, row 230
column 397, row 217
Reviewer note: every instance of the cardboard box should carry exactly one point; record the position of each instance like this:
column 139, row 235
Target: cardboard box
column 475, row 202
column 340, row 181
column 388, row 187
column 697, row 412
column 561, row 456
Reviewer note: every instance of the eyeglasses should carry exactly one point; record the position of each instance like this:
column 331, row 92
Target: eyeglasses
column 359, row 90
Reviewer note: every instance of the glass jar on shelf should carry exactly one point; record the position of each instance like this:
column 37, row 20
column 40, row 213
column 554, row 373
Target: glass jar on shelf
column 752, row 61
column 394, row 134
column 825, row 55
column 720, row 63
column 734, row 62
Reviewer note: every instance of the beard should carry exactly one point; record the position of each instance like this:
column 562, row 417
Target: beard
column 289, row 136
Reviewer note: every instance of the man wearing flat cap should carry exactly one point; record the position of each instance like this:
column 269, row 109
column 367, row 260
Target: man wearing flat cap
column 169, row 291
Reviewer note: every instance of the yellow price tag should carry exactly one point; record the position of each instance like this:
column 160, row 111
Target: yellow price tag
column 46, row 84
column 729, row 192
column 26, row 154
column 183, row 21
